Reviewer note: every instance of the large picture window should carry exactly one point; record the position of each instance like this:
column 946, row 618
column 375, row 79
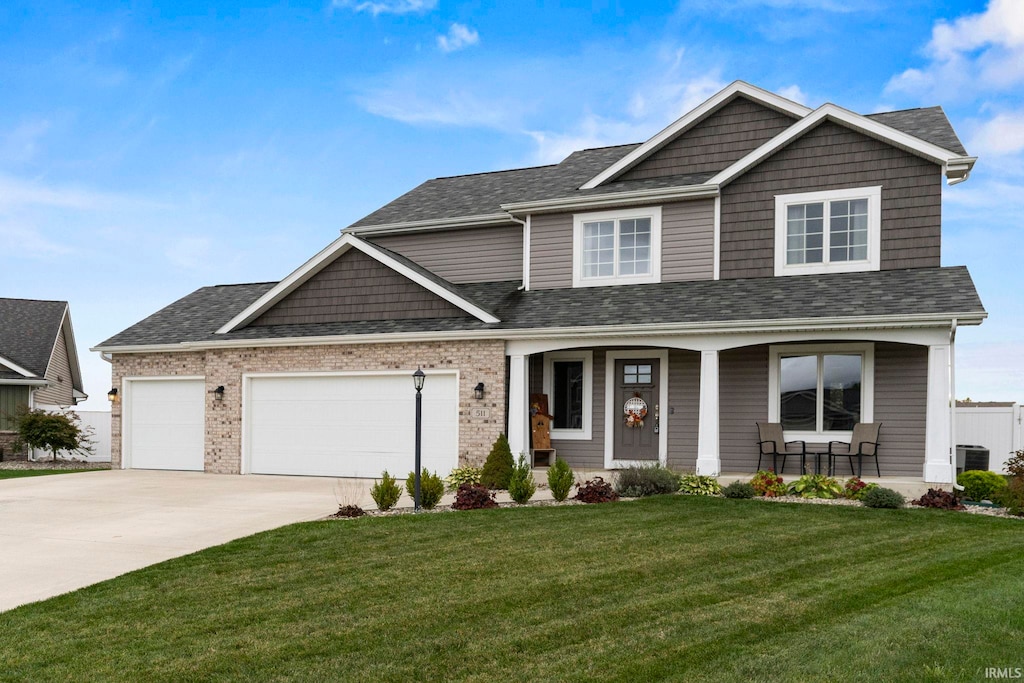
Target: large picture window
column 821, row 391
column 617, row 247
column 569, row 385
column 832, row 231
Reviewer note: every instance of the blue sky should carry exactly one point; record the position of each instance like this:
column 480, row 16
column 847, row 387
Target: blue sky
column 149, row 148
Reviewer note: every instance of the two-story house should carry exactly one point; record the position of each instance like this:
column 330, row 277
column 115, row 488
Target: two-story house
column 754, row 261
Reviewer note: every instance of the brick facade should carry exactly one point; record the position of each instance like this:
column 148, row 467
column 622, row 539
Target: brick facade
column 477, row 361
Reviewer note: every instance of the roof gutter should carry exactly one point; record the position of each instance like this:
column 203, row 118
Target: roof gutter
column 613, row 199
column 959, row 169
column 432, row 224
column 26, row 382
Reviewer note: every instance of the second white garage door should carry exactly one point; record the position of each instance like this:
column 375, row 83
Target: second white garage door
column 349, row 425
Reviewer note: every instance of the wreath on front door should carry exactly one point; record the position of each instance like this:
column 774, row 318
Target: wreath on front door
column 635, row 410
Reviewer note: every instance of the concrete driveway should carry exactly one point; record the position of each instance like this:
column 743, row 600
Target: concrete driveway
column 66, row 531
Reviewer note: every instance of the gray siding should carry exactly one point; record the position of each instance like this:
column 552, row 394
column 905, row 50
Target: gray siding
column 901, row 397
column 743, row 401
column 467, row 255
column 356, row 287
column 720, row 139
column 58, row 373
column 687, row 245
column 11, row 399
column 684, row 408
column 833, row 157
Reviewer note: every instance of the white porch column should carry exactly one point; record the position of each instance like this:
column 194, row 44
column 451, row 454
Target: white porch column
column 708, row 460
column 938, row 467
column 518, row 408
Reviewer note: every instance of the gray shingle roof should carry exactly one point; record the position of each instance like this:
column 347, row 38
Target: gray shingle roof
column 28, row 331
column 484, row 193
column 937, row 291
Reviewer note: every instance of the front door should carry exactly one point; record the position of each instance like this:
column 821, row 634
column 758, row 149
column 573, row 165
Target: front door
column 636, row 411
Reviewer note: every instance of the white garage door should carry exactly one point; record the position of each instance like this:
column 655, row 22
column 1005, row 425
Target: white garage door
column 349, row 425
column 165, row 421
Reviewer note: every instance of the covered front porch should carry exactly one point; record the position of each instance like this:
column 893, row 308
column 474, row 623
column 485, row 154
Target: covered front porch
column 698, row 398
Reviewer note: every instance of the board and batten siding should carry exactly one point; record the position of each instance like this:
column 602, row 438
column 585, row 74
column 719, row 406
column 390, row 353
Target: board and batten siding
column 683, row 409
column 356, row 287
column 901, row 398
column 467, row 255
column 832, row 157
column 687, row 245
column 715, row 142
column 12, row 398
column 60, row 391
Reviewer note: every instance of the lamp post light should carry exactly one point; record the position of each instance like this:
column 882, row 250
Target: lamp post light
column 417, row 381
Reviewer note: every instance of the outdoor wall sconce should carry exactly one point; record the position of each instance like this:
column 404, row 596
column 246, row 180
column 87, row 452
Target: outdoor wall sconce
column 478, row 391
column 218, row 393
column 112, row 395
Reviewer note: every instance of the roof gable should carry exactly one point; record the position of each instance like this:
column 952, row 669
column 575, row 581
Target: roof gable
column 692, row 118
column 28, row 333
column 309, row 270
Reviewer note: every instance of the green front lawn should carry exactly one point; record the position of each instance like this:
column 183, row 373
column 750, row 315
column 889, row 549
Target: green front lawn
column 674, row 587
column 15, row 474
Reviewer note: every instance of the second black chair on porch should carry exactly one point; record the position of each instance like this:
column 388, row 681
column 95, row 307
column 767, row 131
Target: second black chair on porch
column 773, row 443
column 863, row 444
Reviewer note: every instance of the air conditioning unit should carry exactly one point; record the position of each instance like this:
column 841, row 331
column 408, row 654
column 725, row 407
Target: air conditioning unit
column 970, row 457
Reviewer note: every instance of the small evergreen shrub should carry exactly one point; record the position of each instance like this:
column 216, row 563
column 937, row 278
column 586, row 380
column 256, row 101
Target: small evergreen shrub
column 431, row 488
column 856, row 488
column 462, row 475
column 939, row 499
column 639, row 481
column 521, row 485
column 560, row 479
column 981, row 484
column 768, row 484
column 385, row 492
column 596, row 490
column 498, row 467
column 474, row 497
column 699, row 485
column 739, row 489
column 883, row 498
column 816, row 486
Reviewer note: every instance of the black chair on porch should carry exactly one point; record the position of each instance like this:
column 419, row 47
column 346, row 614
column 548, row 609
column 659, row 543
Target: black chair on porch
column 773, row 443
column 863, row 444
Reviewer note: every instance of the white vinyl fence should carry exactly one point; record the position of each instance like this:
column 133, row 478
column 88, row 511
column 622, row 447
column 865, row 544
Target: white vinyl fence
column 96, row 421
column 996, row 427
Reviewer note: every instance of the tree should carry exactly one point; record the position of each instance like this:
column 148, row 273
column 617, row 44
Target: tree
column 498, row 467
column 51, row 431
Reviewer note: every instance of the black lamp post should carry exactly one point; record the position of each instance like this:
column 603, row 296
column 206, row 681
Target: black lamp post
column 417, row 381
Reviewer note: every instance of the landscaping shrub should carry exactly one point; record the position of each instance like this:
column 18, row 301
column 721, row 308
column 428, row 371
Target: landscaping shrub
column 739, row 489
column 939, row 499
column 699, row 485
column 472, row 496
column 521, row 485
column 386, row 492
column 349, row 511
column 596, row 490
column 560, row 479
column 883, row 498
column 1012, row 495
column 856, row 488
column 431, row 488
column 816, row 486
column 768, row 484
column 498, row 467
column 980, row 484
column 645, row 480
column 462, row 475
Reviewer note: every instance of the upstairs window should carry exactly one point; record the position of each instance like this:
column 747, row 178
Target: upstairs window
column 832, row 231
column 617, row 247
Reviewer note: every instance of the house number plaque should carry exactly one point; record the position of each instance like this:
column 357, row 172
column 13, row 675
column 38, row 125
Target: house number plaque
column 480, row 413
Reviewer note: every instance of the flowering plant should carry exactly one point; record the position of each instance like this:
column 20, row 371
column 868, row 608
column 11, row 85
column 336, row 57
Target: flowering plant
column 768, row 484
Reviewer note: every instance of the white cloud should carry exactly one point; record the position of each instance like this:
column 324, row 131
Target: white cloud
column 455, row 106
column 16, row 192
column 459, row 36
column 27, row 241
column 20, row 144
column 189, row 253
column 1003, row 134
column 976, row 53
column 793, row 92
column 837, row 6
column 376, row 7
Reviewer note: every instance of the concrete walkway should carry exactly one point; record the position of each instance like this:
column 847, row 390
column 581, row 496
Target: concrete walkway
column 66, row 531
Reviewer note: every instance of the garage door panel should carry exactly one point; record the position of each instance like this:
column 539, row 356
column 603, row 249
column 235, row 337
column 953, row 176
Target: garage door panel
column 166, row 424
column 354, row 426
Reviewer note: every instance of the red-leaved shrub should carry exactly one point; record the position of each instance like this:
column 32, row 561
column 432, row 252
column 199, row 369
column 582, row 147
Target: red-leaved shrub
column 597, row 490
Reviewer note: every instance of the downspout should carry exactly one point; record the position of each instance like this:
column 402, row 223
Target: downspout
column 526, row 251
column 952, row 402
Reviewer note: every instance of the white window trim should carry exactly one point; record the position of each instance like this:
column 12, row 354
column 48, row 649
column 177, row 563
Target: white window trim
column 653, row 212
column 873, row 261
column 587, row 357
column 867, row 390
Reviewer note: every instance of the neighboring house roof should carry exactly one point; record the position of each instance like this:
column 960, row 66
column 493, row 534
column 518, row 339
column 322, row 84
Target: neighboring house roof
column 28, row 332
column 900, row 297
column 487, row 198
